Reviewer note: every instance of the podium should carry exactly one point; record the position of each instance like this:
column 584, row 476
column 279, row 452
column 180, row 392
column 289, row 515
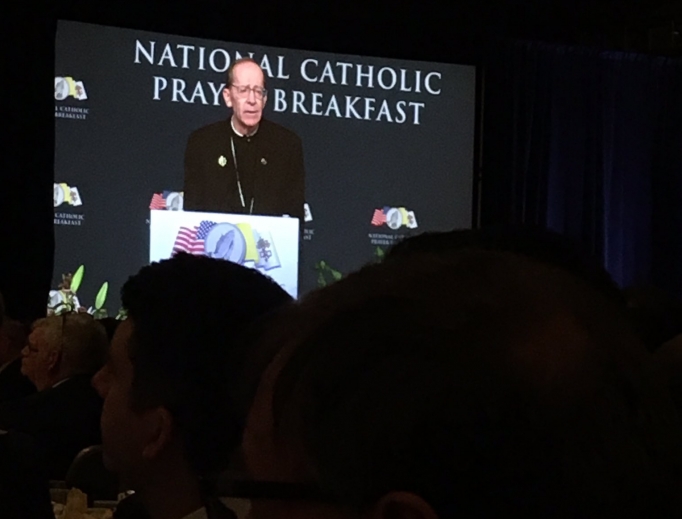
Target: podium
column 268, row 244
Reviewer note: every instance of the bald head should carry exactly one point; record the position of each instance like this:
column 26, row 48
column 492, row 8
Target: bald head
column 483, row 382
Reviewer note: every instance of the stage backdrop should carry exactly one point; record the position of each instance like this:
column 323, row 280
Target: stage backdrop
column 380, row 137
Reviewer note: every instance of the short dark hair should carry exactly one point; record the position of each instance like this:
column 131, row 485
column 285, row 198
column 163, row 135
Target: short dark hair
column 422, row 375
column 110, row 324
column 538, row 243
column 230, row 71
column 656, row 314
column 188, row 314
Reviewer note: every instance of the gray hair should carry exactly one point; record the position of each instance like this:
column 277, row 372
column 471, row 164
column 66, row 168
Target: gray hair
column 80, row 339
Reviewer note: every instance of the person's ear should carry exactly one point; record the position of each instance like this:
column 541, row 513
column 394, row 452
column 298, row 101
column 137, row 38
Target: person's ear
column 265, row 100
column 227, row 97
column 161, row 432
column 54, row 358
column 402, row 505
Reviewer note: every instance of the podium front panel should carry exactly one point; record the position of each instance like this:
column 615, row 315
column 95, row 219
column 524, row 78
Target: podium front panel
column 266, row 243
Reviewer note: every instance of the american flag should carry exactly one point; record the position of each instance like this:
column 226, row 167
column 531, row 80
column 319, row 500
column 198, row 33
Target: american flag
column 379, row 218
column 158, row 202
column 191, row 239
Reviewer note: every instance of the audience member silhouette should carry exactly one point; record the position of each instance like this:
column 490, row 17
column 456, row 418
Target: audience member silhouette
column 469, row 384
column 60, row 358
column 168, row 424
column 110, row 325
column 24, row 485
column 13, row 384
column 540, row 244
column 656, row 314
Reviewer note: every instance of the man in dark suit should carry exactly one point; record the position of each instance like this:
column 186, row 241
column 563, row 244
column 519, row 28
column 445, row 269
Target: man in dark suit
column 13, row 383
column 245, row 164
column 62, row 354
column 24, row 487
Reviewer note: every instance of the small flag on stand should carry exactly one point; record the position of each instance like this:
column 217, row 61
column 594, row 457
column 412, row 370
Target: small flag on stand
column 191, row 239
column 158, row 202
column 379, row 218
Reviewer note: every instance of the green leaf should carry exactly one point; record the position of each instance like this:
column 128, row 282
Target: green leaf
column 380, row 253
column 321, row 281
column 77, row 279
column 101, row 296
column 336, row 274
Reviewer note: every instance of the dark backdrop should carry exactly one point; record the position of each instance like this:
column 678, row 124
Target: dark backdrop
column 573, row 138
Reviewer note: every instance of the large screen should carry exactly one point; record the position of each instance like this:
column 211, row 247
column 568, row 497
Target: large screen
column 354, row 152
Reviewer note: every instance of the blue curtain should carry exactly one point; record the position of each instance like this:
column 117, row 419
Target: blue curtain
column 589, row 143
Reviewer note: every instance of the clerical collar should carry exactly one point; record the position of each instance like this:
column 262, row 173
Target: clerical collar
column 241, row 134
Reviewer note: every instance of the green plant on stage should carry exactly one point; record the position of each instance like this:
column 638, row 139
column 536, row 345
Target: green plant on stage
column 65, row 299
column 326, row 274
column 68, row 293
column 99, row 311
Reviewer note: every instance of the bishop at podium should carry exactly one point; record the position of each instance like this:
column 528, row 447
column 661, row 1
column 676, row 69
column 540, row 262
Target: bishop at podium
column 245, row 164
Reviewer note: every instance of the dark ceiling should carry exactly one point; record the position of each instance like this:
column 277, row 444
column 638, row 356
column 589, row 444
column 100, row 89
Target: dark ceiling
column 412, row 29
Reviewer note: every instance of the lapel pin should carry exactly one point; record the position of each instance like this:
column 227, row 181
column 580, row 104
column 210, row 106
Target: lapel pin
column 263, row 161
column 222, row 161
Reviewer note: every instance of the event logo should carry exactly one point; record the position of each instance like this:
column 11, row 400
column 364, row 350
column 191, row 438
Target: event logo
column 68, row 197
column 394, row 218
column 167, row 200
column 240, row 243
column 68, row 87
column 65, row 194
column 308, row 231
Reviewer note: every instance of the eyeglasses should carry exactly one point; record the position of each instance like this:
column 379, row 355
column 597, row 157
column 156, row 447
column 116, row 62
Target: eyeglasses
column 31, row 350
column 243, row 91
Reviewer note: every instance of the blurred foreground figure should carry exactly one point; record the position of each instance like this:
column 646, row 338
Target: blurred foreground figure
column 537, row 243
column 465, row 384
column 13, row 383
column 168, row 424
column 60, row 357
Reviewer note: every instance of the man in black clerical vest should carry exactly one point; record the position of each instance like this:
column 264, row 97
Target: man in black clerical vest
column 245, row 164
